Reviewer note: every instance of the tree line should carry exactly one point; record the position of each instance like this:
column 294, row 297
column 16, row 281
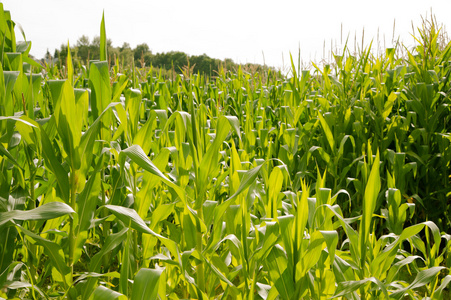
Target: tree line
column 141, row 56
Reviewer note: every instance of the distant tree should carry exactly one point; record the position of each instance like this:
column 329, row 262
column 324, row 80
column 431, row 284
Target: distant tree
column 148, row 59
column 125, row 54
column 83, row 48
column 48, row 56
column 171, row 59
column 125, row 46
column 229, row 64
column 83, row 41
column 113, row 54
column 141, row 55
column 94, row 47
column 140, row 52
column 179, row 59
column 202, row 63
column 62, row 55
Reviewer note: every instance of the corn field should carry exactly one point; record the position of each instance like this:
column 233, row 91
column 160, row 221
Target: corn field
column 330, row 183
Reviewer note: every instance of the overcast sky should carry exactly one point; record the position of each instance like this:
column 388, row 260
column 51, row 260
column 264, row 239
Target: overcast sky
column 245, row 30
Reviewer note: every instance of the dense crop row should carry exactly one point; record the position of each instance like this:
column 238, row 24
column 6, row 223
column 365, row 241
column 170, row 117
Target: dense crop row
column 329, row 183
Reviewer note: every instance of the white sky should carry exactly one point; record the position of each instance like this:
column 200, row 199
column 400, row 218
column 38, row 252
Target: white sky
column 241, row 30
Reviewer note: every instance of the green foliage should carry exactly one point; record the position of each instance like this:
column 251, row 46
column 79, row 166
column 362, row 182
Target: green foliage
column 331, row 183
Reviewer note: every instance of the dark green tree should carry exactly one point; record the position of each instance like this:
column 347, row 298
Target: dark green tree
column 83, row 48
column 140, row 52
column 125, row 54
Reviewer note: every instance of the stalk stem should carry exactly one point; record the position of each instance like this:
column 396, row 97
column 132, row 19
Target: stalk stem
column 31, row 205
column 73, row 189
column 200, row 267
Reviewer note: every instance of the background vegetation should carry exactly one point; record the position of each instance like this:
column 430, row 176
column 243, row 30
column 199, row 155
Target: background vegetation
column 170, row 63
column 122, row 183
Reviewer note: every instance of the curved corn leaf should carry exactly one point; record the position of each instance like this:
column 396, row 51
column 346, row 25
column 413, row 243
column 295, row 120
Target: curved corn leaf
column 137, row 155
column 103, row 293
column 145, row 286
column 438, row 293
column 111, row 242
column 46, row 211
column 423, row 277
column 345, row 288
column 53, row 250
column 131, row 218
